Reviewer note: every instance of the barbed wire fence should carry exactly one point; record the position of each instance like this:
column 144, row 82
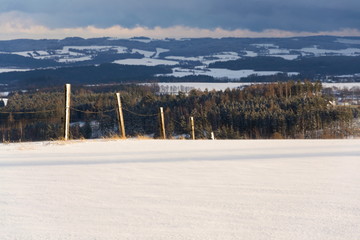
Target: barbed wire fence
column 92, row 112
column 184, row 125
column 18, row 125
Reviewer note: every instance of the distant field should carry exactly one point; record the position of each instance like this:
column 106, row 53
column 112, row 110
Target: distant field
column 222, row 86
column 173, row 189
column 81, row 61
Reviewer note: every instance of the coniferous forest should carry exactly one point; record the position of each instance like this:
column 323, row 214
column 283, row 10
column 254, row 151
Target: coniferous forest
column 265, row 111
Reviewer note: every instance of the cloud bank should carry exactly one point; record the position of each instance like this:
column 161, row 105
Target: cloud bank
column 257, row 15
column 27, row 28
column 173, row 18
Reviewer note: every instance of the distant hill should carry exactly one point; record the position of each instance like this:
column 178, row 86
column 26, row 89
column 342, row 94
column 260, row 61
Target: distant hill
column 317, row 65
column 202, row 59
column 105, row 73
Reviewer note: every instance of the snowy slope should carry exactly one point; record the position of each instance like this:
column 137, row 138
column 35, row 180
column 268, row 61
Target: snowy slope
column 188, row 57
column 153, row 189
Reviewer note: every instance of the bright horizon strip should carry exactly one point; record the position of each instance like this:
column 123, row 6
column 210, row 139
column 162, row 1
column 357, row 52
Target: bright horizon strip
column 17, row 30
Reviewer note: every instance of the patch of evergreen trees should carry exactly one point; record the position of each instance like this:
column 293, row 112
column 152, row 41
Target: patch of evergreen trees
column 276, row 110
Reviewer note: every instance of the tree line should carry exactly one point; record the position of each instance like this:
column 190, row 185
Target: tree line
column 264, row 111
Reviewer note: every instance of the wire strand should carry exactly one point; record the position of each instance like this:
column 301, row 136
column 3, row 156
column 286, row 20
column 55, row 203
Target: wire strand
column 33, row 112
column 27, row 120
column 139, row 114
column 91, row 112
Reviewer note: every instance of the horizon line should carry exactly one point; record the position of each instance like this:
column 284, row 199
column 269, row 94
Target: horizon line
column 21, row 30
column 139, row 37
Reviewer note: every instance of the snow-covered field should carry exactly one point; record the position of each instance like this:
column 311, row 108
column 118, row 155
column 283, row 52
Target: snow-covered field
column 342, row 85
column 276, row 51
column 324, row 52
column 153, row 56
column 218, row 72
column 159, row 189
column 147, row 54
column 4, row 70
column 145, row 62
column 164, row 87
column 206, row 60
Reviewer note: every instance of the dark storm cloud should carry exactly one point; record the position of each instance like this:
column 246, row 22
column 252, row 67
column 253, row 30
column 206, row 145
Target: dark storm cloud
column 256, row 15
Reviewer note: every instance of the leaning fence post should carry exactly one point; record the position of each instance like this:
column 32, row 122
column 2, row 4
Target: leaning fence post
column 192, row 128
column 121, row 117
column 212, row 136
column 162, row 124
column 67, row 112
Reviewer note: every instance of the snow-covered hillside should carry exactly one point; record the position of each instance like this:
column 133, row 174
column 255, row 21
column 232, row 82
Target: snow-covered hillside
column 154, row 189
column 84, row 53
column 187, row 56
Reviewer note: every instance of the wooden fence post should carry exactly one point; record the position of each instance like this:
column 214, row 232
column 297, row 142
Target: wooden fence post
column 121, row 117
column 212, row 136
column 67, row 112
column 162, row 124
column 192, row 128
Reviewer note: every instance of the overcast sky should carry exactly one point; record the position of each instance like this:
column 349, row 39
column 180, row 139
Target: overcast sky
column 177, row 18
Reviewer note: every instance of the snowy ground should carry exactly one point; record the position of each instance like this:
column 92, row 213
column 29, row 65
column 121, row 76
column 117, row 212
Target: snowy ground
column 153, row 189
column 145, row 62
column 166, row 87
column 218, row 72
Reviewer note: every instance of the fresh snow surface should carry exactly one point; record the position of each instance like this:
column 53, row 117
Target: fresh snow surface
column 180, row 189
column 145, row 62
